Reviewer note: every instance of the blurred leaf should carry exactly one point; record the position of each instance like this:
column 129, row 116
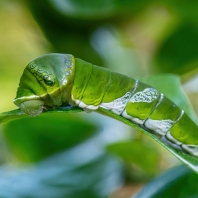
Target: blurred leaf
column 177, row 182
column 33, row 139
column 184, row 10
column 117, row 51
column 178, row 52
column 131, row 151
column 75, row 21
column 94, row 10
column 67, row 35
column 170, row 86
column 84, row 171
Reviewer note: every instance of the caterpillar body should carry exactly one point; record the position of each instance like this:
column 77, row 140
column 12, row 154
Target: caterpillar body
column 60, row 79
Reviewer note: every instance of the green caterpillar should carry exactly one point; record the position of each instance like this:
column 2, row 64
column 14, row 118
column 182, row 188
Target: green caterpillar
column 60, row 79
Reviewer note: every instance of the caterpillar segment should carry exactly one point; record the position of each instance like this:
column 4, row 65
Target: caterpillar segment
column 57, row 79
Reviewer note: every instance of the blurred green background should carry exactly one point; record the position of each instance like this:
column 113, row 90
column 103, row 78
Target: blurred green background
column 89, row 155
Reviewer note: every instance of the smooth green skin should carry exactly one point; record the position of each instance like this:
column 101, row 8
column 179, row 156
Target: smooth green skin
column 119, row 85
column 185, row 131
column 82, row 75
column 166, row 110
column 93, row 84
column 141, row 110
column 96, row 78
column 45, row 83
column 67, row 81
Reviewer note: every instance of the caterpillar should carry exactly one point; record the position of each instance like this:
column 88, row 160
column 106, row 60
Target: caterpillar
column 54, row 80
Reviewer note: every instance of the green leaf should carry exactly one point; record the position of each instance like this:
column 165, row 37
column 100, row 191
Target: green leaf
column 34, row 138
column 131, row 151
column 178, row 52
column 176, row 182
column 189, row 160
column 93, row 10
column 183, row 10
column 75, row 21
column 84, row 171
column 17, row 113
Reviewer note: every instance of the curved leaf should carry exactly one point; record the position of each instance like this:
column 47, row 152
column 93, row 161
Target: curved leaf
column 17, row 113
column 32, row 139
column 177, row 182
column 189, row 160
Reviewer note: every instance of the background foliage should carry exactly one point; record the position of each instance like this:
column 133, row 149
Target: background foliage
column 89, row 155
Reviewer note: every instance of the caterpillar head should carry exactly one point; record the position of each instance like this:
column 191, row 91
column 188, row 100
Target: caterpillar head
column 46, row 82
